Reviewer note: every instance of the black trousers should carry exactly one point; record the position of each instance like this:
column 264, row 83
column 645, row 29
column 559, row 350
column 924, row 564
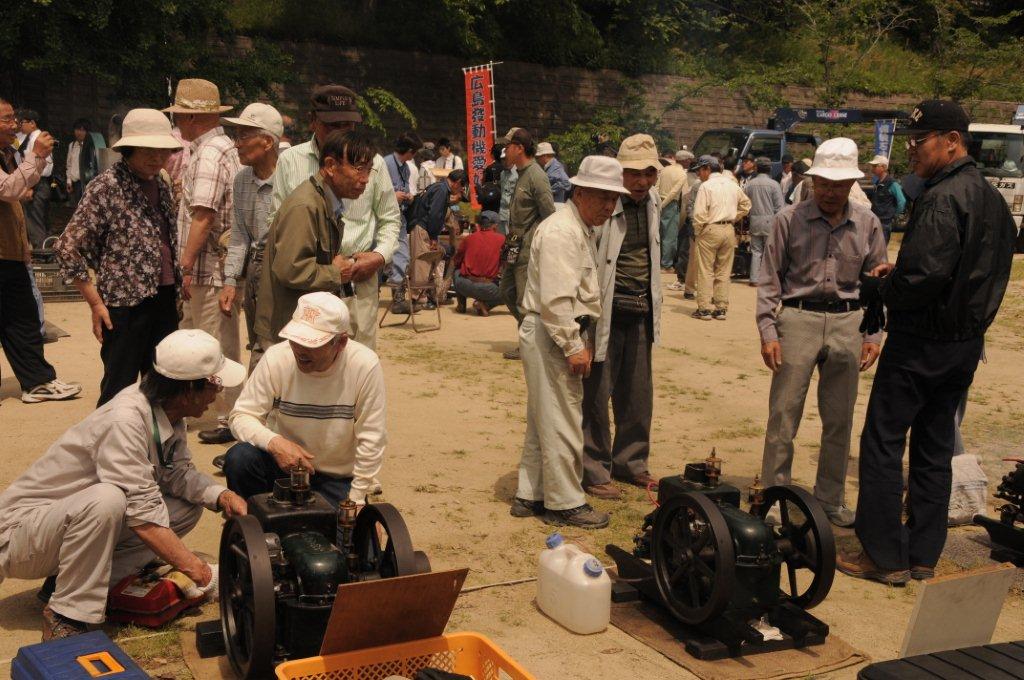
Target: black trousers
column 624, row 377
column 683, row 244
column 37, row 214
column 918, row 386
column 128, row 348
column 20, row 333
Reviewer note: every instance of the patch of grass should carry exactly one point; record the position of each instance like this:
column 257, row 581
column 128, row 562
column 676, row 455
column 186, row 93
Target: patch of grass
column 744, row 429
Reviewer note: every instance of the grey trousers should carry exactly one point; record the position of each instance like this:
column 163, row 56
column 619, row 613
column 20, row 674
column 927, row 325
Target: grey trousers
column 551, row 468
column 485, row 291
column 830, row 343
column 624, row 377
column 85, row 541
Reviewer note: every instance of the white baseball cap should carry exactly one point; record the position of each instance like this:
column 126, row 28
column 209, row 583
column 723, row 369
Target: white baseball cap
column 193, row 354
column 261, row 116
column 836, row 159
column 148, row 129
column 600, row 172
column 545, row 149
column 879, row 160
column 318, row 318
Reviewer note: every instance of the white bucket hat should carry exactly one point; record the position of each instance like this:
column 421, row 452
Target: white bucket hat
column 260, row 116
column 318, row 318
column 545, row 149
column 836, row 159
column 879, row 160
column 148, row 129
column 600, row 172
column 193, row 354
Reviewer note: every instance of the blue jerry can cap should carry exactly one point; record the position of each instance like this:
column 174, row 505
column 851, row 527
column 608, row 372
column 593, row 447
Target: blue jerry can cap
column 555, row 540
column 592, row 567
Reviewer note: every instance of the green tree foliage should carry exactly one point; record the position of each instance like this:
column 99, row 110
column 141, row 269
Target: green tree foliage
column 376, row 101
column 135, row 46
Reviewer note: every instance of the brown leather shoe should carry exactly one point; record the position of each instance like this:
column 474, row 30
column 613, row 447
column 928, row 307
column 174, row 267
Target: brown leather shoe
column 606, row 490
column 481, row 308
column 862, row 566
column 58, row 627
column 920, row 573
column 643, row 480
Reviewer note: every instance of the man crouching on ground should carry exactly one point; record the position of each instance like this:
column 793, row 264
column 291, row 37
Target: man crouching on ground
column 316, row 402
column 119, row 488
column 562, row 298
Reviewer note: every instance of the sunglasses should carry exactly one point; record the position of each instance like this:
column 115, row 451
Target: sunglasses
column 914, row 142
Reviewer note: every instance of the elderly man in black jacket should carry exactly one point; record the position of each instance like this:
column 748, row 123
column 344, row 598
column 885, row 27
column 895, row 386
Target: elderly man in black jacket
column 942, row 294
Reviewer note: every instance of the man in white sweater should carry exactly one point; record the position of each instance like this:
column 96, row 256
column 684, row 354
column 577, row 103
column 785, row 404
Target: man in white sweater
column 315, row 401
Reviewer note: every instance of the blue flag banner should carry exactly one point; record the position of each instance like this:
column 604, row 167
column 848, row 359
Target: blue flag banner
column 883, row 136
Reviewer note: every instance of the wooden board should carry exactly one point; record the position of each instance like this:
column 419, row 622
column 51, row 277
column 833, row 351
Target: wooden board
column 957, row 610
column 392, row 610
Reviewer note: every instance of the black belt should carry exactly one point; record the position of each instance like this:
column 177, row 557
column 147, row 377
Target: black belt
column 832, row 306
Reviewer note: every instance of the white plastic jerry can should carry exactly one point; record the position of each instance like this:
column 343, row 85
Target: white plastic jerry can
column 573, row 588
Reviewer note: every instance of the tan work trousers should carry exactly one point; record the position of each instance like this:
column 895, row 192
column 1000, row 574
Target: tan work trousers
column 203, row 312
column 716, row 247
column 362, row 311
column 85, row 541
column 551, row 468
column 830, row 343
column 690, row 284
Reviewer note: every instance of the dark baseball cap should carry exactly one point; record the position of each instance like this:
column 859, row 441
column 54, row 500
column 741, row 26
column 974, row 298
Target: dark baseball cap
column 932, row 115
column 486, row 218
column 749, row 157
column 707, row 160
column 335, row 104
column 517, row 135
column 787, row 158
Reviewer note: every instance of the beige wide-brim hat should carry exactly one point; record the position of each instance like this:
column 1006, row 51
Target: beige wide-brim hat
column 600, row 172
column 195, row 95
column 638, row 152
column 146, row 129
column 836, row 160
column 259, row 116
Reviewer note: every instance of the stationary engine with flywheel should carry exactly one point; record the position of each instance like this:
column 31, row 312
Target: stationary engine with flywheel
column 281, row 565
column 729, row 574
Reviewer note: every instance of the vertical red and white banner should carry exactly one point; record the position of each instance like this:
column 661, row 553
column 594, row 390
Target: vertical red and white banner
column 479, row 124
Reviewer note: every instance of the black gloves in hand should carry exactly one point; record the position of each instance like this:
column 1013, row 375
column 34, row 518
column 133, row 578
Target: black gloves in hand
column 871, row 299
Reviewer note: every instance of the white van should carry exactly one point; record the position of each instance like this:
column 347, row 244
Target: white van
column 999, row 153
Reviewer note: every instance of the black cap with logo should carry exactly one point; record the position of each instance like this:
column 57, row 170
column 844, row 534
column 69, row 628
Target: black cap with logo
column 935, row 114
column 335, row 104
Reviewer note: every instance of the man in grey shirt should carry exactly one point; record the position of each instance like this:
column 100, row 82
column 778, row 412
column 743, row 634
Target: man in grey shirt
column 766, row 201
column 816, row 253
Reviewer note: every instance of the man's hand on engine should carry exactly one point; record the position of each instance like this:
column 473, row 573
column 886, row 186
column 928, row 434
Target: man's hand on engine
column 232, row 504
column 287, row 454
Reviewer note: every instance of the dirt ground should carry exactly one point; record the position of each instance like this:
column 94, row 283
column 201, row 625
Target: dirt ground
column 455, row 420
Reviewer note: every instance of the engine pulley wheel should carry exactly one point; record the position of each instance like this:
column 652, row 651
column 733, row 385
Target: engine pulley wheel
column 247, row 605
column 693, row 557
column 382, row 544
column 804, row 538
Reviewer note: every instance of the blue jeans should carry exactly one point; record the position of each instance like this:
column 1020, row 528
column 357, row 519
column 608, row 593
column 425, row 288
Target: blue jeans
column 400, row 259
column 757, row 244
column 251, row 470
column 484, row 291
column 669, row 233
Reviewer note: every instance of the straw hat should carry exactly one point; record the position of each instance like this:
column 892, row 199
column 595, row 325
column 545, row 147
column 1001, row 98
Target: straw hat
column 638, row 152
column 195, row 95
column 836, row 159
column 600, row 172
column 147, row 129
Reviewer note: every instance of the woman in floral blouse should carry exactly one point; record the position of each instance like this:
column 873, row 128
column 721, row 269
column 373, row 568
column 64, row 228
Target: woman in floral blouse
column 123, row 230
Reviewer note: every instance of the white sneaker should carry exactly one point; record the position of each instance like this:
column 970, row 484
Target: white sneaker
column 675, row 285
column 55, row 390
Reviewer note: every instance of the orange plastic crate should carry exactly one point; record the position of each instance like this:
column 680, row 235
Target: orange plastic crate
column 466, row 653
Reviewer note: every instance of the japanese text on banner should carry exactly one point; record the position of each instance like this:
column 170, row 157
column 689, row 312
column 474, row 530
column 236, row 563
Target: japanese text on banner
column 479, row 127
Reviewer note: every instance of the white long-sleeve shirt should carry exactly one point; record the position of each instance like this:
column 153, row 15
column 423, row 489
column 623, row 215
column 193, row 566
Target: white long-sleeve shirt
column 719, row 200
column 338, row 415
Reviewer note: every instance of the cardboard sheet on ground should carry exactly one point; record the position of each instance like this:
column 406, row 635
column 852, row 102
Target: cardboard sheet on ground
column 392, row 610
column 972, row 599
column 631, row 618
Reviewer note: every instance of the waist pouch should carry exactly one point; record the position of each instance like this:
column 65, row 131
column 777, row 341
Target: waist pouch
column 510, row 251
column 633, row 304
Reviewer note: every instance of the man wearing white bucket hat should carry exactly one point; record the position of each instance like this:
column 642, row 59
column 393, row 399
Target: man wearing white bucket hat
column 204, row 218
column 562, row 300
column 315, row 401
column 119, row 488
column 553, row 168
column 125, row 223
column 816, row 253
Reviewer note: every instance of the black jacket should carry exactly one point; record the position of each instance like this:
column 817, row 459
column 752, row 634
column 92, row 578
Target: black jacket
column 953, row 266
column 429, row 209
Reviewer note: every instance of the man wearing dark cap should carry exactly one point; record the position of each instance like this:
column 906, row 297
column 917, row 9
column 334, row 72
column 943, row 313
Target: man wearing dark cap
column 942, row 295
column 478, row 262
column 748, row 168
column 784, row 175
column 532, row 202
column 371, row 222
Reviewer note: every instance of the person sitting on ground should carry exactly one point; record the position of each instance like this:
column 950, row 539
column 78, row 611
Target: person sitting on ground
column 315, row 402
column 430, row 214
column 118, row 489
column 478, row 266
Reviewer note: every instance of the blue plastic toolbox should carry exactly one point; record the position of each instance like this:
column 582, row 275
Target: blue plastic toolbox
column 81, row 657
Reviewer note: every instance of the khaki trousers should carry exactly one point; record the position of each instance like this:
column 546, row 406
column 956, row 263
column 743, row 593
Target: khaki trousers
column 203, row 312
column 85, row 541
column 420, row 273
column 551, row 468
column 690, row 284
column 362, row 311
column 830, row 343
column 716, row 247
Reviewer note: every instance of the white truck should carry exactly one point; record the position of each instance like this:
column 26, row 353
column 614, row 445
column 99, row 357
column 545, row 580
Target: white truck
column 999, row 153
